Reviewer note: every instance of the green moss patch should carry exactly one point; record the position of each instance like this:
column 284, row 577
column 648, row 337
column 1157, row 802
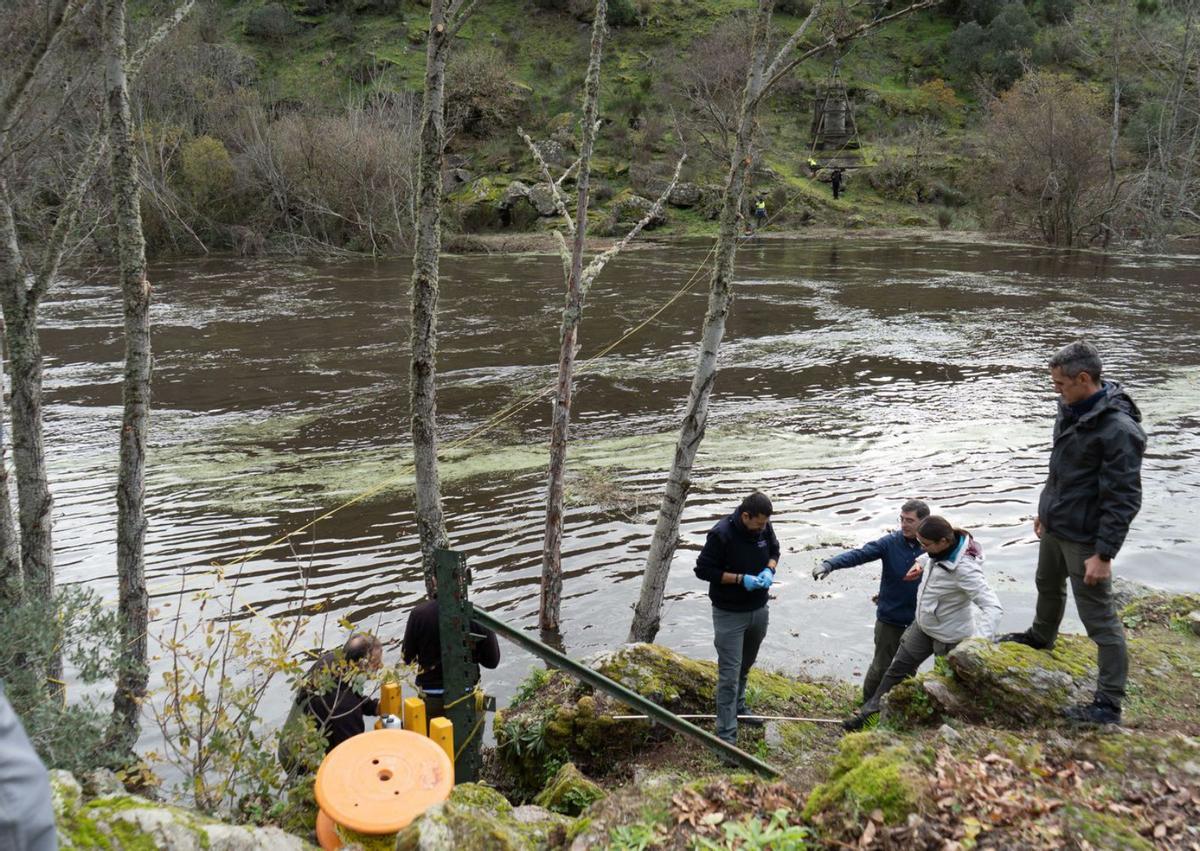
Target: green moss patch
column 871, row 772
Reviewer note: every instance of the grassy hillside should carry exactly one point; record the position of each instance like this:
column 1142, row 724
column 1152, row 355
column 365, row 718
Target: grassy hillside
column 916, row 87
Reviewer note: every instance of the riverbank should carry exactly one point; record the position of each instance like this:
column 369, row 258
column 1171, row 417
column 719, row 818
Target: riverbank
column 971, row 754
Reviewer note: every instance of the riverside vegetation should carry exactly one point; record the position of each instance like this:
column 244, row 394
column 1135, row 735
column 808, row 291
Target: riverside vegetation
column 293, row 126
column 971, row 754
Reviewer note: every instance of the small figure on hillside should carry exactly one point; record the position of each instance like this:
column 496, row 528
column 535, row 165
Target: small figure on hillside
column 738, row 562
column 835, row 180
column 897, row 596
column 1092, row 494
column 954, row 581
column 813, row 167
column 760, row 211
column 423, row 645
column 331, row 693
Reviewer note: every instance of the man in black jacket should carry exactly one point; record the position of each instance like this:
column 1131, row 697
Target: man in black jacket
column 423, row 645
column 1092, row 494
column 738, row 562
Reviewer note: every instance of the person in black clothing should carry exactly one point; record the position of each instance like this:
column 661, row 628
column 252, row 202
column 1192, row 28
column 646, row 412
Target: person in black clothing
column 331, row 693
column 423, row 644
column 1092, row 494
column 835, row 180
column 738, row 562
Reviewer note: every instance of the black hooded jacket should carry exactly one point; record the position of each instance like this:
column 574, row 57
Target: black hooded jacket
column 1094, row 489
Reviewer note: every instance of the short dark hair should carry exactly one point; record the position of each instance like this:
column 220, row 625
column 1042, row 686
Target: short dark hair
column 1077, row 357
column 756, row 504
column 935, row 528
column 917, row 507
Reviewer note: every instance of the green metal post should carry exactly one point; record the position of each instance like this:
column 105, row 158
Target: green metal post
column 460, row 673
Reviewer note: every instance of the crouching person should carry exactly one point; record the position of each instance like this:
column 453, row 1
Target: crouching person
column 954, row 582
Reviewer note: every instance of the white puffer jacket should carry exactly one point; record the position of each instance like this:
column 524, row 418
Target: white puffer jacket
column 952, row 584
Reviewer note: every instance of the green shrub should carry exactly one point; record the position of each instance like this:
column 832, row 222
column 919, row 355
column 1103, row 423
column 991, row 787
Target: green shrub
column 272, row 22
column 68, row 734
column 622, row 13
column 945, row 217
column 993, row 51
column 797, row 8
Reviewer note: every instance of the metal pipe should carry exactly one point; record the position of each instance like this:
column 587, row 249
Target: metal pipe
column 602, row 683
column 740, row 717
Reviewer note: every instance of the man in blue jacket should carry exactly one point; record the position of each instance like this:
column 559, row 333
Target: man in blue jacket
column 897, row 601
column 738, row 562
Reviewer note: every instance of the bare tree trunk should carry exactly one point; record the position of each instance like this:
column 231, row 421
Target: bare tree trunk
column 551, row 598
column 131, row 489
column 10, row 546
column 760, row 78
column 647, row 614
column 423, row 392
column 446, row 17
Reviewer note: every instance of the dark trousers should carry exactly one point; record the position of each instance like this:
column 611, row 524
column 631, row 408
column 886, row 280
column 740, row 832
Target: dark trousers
column 837, row 190
column 915, row 648
column 887, row 642
column 1058, row 561
column 737, row 637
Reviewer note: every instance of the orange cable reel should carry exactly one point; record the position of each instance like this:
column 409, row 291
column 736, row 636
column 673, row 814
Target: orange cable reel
column 377, row 783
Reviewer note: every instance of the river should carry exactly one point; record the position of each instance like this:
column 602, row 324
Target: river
column 855, row 373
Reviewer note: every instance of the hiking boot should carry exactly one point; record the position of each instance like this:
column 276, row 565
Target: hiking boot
column 744, row 717
column 856, row 722
column 1025, row 638
column 1100, row 711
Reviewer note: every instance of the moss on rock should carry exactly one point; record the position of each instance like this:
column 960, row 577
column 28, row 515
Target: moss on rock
column 478, row 817
column 1010, row 681
column 556, row 720
column 870, row 772
column 569, row 792
column 121, row 822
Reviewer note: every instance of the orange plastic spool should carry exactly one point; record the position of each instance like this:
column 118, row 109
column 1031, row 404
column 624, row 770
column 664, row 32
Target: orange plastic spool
column 380, row 781
column 327, row 836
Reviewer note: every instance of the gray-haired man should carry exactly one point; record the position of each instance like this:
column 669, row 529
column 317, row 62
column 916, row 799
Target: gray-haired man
column 1092, row 494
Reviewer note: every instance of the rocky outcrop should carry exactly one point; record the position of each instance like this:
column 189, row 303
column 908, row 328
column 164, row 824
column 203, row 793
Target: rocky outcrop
column 1022, row 684
column 558, row 720
column 628, row 209
column 542, row 198
column 478, row 817
column 871, row 773
column 569, row 792
column 124, row 822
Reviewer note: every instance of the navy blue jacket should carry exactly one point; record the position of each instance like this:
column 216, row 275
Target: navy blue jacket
column 732, row 548
column 897, row 598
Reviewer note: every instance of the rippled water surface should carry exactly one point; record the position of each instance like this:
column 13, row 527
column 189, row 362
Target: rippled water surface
column 854, row 374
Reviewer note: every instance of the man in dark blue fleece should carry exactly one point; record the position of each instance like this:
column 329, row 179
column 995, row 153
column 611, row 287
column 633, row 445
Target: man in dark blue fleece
column 1092, row 494
column 738, row 562
column 897, row 601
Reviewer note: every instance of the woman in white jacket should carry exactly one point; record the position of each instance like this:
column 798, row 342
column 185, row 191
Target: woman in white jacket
column 954, row 583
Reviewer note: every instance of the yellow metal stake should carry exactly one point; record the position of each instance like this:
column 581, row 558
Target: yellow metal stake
column 414, row 715
column 441, row 731
column 389, row 702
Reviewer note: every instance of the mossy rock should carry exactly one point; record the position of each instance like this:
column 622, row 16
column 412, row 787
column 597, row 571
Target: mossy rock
column 123, row 822
column 478, row 817
column 855, row 222
column 870, row 772
column 569, row 792
column 1010, row 681
column 1123, row 751
column 559, row 720
column 914, row 221
column 1159, row 609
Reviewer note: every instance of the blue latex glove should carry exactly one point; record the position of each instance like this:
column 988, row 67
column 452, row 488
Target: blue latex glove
column 750, row 583
column 766, row 578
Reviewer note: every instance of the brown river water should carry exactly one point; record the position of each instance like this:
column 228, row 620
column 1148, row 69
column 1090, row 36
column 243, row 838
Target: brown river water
column 855, row 374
